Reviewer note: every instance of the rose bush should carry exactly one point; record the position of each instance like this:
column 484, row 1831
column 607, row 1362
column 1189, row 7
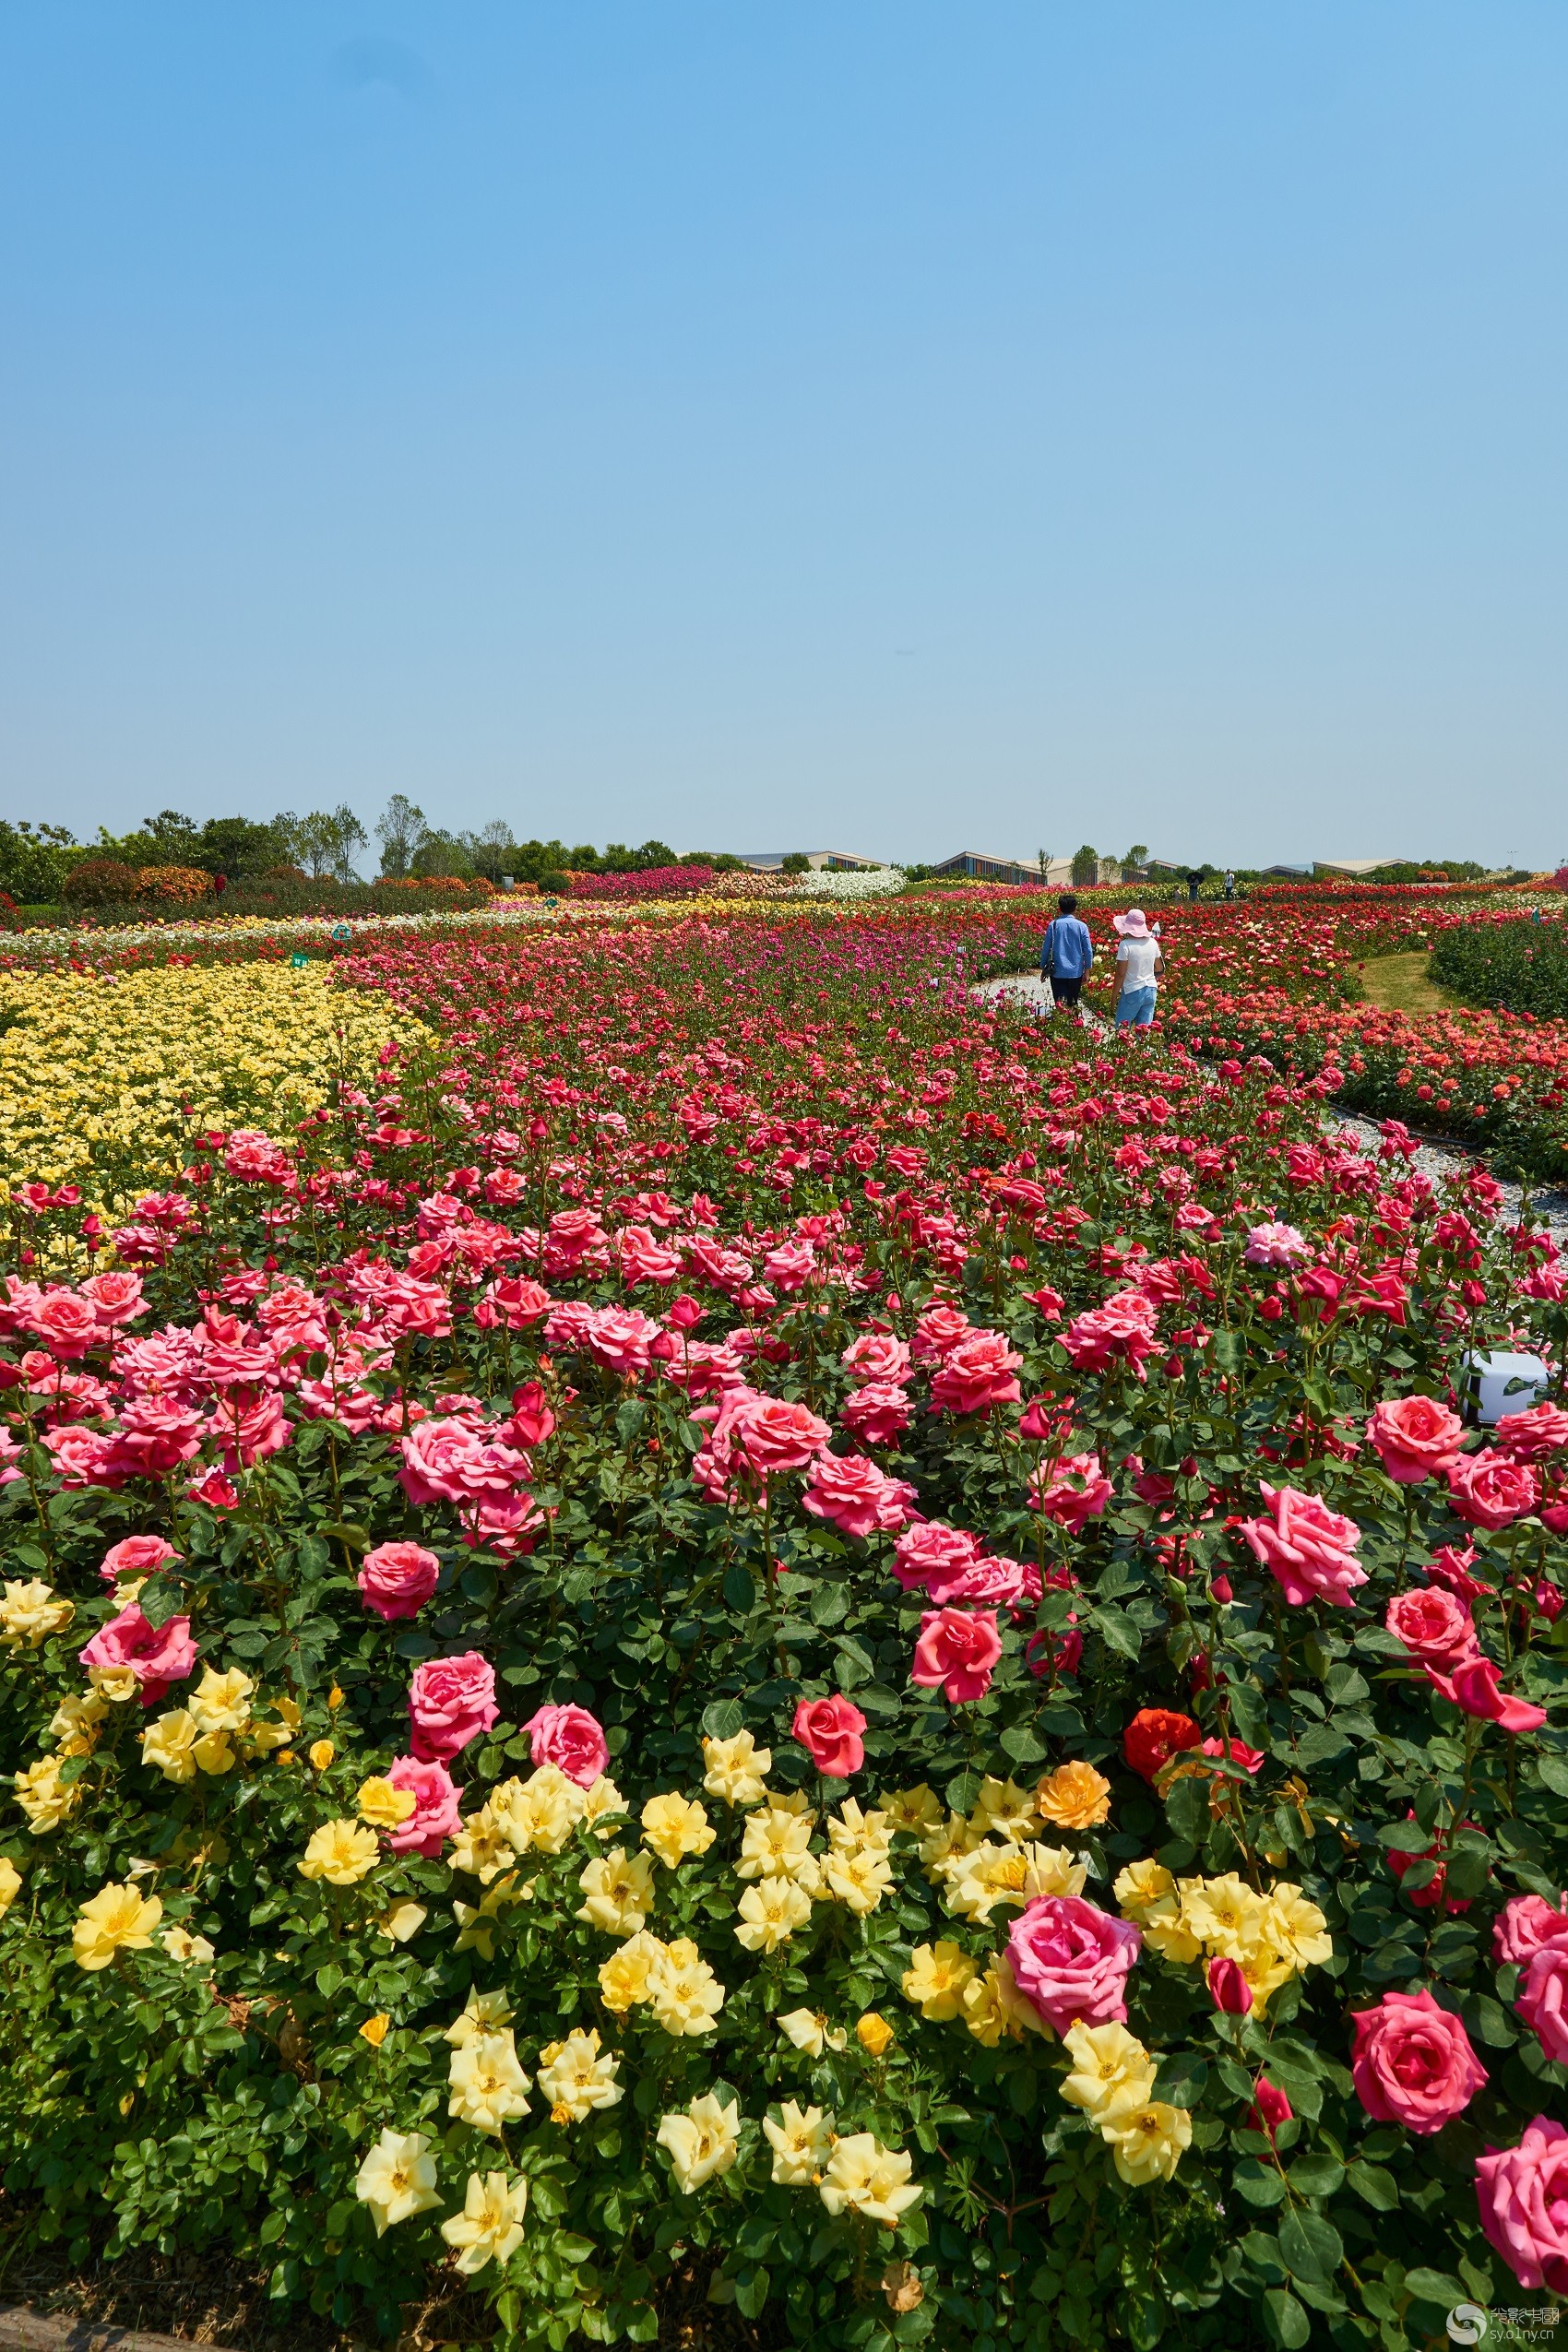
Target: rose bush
column 525, row 1788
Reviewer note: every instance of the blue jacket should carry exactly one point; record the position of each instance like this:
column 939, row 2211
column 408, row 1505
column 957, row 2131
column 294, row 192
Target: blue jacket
column 1066, row 950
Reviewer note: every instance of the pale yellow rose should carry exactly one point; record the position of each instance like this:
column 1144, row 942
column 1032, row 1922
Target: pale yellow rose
column 675, row 1826
column 937, row 1978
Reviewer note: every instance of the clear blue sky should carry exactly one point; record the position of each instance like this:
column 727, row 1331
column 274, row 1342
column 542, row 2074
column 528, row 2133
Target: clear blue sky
column 885, row 426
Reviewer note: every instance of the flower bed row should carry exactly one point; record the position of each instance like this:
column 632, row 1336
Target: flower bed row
column 761, row 1620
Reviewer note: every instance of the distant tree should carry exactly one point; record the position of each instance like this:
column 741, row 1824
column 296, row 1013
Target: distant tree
column 35, row 861
column 236, row 848
column 441, row 854
column 400, row 829
column 325, row 843
column 1086, row 866
column 1044, row 857
column 797, row 862
column 491, row 851
column 1137, row 856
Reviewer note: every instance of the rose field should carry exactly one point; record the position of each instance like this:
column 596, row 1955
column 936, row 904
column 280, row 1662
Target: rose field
column 708, row 1641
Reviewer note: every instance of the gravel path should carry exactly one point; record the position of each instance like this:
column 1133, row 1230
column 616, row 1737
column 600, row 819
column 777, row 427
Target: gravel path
column 1437, row 1156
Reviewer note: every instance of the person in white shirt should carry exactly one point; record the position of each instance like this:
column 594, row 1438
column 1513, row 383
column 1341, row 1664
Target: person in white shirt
column 1138, row 965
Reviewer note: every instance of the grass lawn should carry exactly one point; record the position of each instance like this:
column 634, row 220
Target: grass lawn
column 1399, row 984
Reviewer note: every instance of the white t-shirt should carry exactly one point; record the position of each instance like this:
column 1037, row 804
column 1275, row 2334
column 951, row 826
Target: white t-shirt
column 1136, row 957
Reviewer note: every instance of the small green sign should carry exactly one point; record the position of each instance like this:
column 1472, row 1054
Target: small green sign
column 297, row 962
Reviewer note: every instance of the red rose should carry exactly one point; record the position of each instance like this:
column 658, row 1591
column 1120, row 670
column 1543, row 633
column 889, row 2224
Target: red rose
column 1154, row 1736
column 830, row 1730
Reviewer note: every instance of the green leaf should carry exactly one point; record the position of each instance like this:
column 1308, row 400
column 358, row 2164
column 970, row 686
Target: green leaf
column 1288, row 2322
column 1311, row 2247
column 722, row 1719
column 344, row 1531
column 1117, row 1631
column 1022, row 1743
column 1180, row 2081
column 1553, row 1771
column 1228, row 1358
column 1186, row 1809
column 830, row 1603
column 1437, row 2286
column 1259, row 2183
column 962, row 1792
column 740, row 1590
column 1405, row 1837
column 751, row 2290
column 1374, row 2185
column 1316, row 2176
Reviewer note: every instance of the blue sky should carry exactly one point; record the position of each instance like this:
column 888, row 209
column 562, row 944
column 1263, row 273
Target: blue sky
column 885, row 425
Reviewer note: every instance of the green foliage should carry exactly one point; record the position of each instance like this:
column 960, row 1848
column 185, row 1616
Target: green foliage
column 1518, row 965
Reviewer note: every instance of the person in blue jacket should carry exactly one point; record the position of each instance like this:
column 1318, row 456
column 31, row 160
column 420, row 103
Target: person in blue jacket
column 1066, row 953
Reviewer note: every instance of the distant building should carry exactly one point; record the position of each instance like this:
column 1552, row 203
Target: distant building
column 1358, row 866
column 830, row 861
column 1295, row 874
column 1016, row 870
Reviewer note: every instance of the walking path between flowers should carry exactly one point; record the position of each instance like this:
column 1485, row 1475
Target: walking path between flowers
column 1437, row 1158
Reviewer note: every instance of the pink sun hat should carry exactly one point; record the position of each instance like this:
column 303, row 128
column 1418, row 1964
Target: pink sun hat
column 1134, row 924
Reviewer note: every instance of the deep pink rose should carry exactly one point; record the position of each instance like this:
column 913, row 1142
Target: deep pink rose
column 451, row 1701
column 830, row 1730
column 1473, row 1685
column 1523, row 2196
column 158, row 1656
column 620, row 1338
column 1540, row 1999
column 571, row 1740
column 135, row 1556
column 1072, row 1960
column 958, row 1648
column 1491, row 1491
column 778, row 1437
column 1416, row 1437
column 1524, row 1924
column 397, row 1579
column 850, row 1492
column 435, row 1816
column 978, row 1374
column 1526, row 1437
column 1075, row 1490
column 1412, row 2062
column 1435, row 1628
column 1310, row 1550
column 1227, row 1988
column 1270, row 2108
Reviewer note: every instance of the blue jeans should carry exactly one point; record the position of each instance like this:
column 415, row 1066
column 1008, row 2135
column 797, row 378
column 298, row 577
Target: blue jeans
column 1135, row 1007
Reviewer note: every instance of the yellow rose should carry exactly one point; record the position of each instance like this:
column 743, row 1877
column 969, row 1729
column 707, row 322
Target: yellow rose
column 937, row 1979
column 770, row 1911
column 397, row 2179
column 30, row 1612
column 1111, row 2072
column 341, row 1852
column 865, row 2178
column 116, row 1920
column 802, row 2142
column 1148, row 2143
column 618, row 1889
column 577, row 2079
column 320, row 1753
column 382, row 1805
column 490, row 2227
column 701, row 2141
column 873, row 2033
column 736, row 1769
column 675, row 1826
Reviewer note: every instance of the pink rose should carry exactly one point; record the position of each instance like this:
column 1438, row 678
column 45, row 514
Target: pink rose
column 1412, row 2062
column 1540, row 1999
column 1277, row 1246
column 620, row 1338
column 1526, row 1437
column 1270, row 2108
column 1523, row 2196
column 451, row 1701
column 830, row 1730
column 397, row 1579
column 1473, row 1685
column 446, row 1461
column 876, row 1413
column 876, row 1355
column 1072, row 1961
column 850, row 1492
column 1124, row 1330
column 135, row 1556
column 935, row 1555
column 938, row 1332
column 159, row 1656
column 1525, row 1923
column 67, row 1326
column 977, row 1373
column 1075, row 1491
column 571, row 1740
column 1435, row 1628
column 1310, row 1550
column 958, row 1648
column 1415, row 1436
column 778, row 1437
column 1491, row 1491
column 435, row 1816
column 115, row 1299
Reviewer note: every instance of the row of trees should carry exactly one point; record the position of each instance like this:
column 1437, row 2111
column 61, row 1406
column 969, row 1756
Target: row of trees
column 325, row 845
